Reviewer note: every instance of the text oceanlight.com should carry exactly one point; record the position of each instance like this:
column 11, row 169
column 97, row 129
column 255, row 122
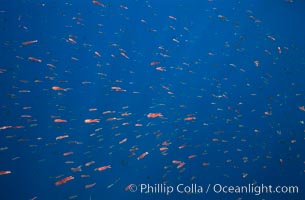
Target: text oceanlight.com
column 212, row 188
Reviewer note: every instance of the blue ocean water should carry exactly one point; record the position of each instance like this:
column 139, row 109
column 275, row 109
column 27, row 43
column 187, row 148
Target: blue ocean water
column 152, row 93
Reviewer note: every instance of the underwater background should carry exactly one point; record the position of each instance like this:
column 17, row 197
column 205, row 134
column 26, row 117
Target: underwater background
column 99, row 95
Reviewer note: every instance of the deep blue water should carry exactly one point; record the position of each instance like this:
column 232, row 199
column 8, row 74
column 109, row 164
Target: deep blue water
column 225, row 77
